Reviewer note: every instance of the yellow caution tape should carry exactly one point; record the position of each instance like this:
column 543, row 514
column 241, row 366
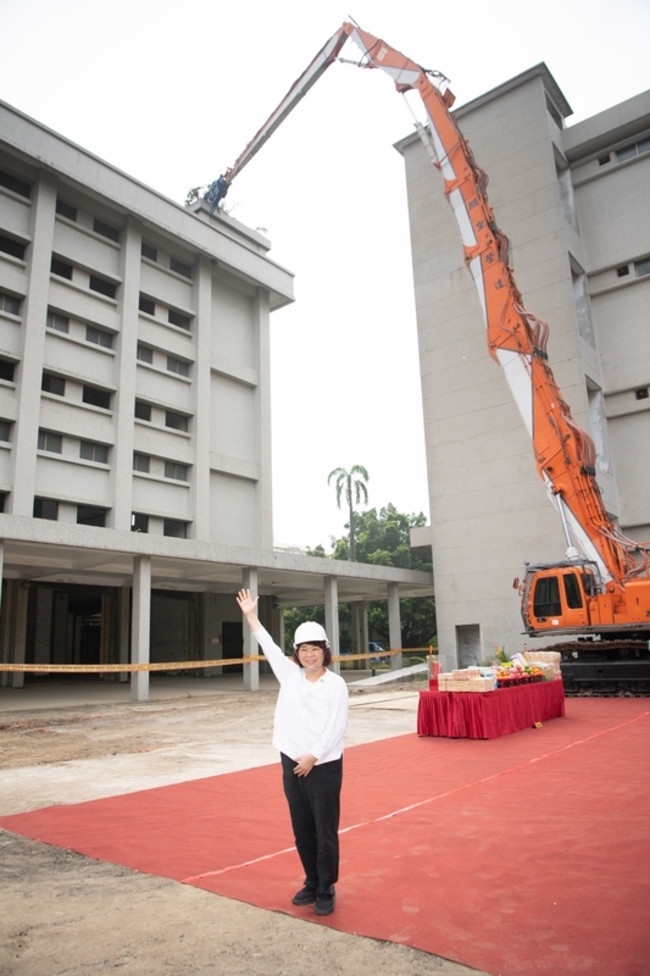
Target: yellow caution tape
column 116, row 668
column 171, row 665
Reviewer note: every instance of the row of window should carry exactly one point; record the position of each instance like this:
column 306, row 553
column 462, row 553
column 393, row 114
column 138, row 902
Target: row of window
column 48, row 508
column 179, row 366
column 70, row 212
column 9, row 304
column 15, row 185
column 88, row 450
column 61, row 323
column 7, row 369
column 171, row 527
column 65, row 270
column 92, row 395
column 97, row 397
column 113, row 234
column 92, row 451
column 148, row 306
column 627, row 152
column 150, row 252
column 62, row 208
column 9, row 246
column 177, row 421
column 99, row 227
column 172, row 469
column 100, row 337
column 17, row 249
column 641, row 269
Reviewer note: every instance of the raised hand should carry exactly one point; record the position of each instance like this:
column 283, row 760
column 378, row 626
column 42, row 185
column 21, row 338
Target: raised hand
column 247, row 604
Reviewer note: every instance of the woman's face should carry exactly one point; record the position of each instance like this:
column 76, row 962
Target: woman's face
column 311, row 657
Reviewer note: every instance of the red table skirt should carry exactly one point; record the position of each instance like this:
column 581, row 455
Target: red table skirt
column 488, row 715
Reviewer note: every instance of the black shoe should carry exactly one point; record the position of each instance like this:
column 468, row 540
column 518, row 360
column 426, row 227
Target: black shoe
column 304, row 897
column 325, row 904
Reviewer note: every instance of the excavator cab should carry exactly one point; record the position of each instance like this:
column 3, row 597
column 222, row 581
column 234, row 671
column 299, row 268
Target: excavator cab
column 556, row 598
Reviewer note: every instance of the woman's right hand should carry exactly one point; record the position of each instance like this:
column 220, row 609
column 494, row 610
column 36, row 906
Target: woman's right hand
column 247, row 604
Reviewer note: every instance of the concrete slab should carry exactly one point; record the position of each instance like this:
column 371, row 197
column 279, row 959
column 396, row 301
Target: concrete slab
column 48, row 693
column 387, row 677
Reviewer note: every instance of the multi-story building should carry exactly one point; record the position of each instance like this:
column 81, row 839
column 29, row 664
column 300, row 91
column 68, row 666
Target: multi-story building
column 135, row 433
column 574, row 202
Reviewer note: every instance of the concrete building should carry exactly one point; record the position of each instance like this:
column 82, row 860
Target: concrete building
column 135, row 431
column 575, row 203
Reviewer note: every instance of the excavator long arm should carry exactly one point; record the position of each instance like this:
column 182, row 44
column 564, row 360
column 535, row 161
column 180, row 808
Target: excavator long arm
column 325, row 57
column 564, row 453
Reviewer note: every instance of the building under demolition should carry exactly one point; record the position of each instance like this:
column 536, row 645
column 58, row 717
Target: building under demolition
column 574, row 203
column 135, row 441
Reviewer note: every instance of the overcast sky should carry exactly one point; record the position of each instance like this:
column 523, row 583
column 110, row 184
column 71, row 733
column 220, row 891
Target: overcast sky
column 171, row 93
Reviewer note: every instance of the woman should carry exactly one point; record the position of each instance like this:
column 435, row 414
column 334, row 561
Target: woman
column 311, row 717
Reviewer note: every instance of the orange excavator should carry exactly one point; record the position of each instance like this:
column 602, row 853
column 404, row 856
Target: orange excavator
column 601, row 589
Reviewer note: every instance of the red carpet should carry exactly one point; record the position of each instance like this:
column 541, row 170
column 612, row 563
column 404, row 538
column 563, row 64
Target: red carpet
column 522, row 855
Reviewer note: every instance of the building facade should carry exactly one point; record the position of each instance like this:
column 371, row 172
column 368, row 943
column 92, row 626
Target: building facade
column 135, row 430
column 574, row 203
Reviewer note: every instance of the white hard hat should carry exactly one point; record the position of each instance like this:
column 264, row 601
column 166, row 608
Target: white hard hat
column 309, row 632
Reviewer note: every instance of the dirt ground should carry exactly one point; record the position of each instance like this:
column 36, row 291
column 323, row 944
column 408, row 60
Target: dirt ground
column 62, row 914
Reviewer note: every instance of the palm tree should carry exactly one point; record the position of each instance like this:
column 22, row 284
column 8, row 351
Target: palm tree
column 350, row 481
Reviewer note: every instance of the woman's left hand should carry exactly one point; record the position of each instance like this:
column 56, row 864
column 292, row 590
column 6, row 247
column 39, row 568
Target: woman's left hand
column 304, row 765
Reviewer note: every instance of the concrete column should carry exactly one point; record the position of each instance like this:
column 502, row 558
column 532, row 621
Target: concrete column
column 6, row 621
column 61, row 645
column 124, row 399
column 394, row 625
column 107, row 632
column 332, row 617
column 140, row 628
column 28, row 391
column 43, row 625
column 201, row 393
column 214, row 616
column 4, row 618
column 20, row 634
column 252, row 670
column 359, row 615
column 281, row 629
column 125, row 619
column 277, row 625
column 263, row 490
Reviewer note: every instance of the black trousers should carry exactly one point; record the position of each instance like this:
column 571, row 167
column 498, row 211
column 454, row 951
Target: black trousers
column 315, row 807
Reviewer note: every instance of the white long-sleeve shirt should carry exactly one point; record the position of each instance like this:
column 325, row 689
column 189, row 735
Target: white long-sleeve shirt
column 310, row 716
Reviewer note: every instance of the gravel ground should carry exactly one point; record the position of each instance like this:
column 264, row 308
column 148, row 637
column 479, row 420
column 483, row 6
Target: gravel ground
column 62, row 914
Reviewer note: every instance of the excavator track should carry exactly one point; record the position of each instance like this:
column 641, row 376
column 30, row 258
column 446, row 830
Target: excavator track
column 606, row 668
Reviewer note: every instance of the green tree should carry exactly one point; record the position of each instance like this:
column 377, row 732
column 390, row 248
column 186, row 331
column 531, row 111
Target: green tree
column 351, row 483
column 383, row 538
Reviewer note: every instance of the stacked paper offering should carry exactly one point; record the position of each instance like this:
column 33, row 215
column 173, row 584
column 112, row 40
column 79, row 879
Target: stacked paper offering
column 467, row 679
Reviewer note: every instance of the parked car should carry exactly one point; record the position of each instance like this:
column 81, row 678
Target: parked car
column 376, row 648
